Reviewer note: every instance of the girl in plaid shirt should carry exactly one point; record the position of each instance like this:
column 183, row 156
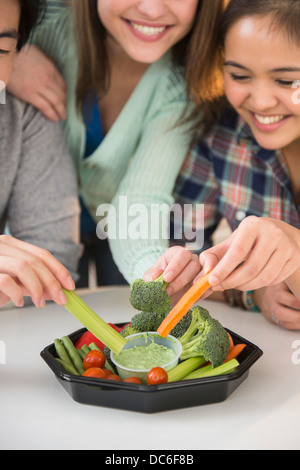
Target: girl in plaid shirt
column 247, row 167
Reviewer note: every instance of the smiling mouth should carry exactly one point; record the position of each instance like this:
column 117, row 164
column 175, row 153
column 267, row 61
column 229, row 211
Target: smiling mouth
column 148, row 30
column 267, row 120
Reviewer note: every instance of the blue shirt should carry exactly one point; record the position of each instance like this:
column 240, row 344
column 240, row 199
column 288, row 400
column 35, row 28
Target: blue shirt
column 94, row 137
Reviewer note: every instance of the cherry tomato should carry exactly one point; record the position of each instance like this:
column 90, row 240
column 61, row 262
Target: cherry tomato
column 156, row 376
column 107, row 372
column 133, row 380
column 114, row 377
column 94, row 359
column 95, row 372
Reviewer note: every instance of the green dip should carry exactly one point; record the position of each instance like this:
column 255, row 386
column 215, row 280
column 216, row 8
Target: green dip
column 145, row 357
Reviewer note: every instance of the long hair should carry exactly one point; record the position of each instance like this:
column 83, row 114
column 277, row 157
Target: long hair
column 209, row 92
column 93, row 70
column 31, row 11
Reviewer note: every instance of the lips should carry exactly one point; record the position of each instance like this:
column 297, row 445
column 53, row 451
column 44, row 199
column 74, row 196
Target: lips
column 148, row 30
column 268, row 123
column 267, row 120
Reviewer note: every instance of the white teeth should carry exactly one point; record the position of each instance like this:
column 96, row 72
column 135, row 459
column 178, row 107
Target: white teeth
column 268, row 119
column 148, row 30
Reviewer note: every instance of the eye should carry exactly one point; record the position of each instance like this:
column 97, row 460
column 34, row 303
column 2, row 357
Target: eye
column 286, row 83
column 239, row 78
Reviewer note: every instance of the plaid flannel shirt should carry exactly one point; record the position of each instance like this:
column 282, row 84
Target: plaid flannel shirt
column 233, row 177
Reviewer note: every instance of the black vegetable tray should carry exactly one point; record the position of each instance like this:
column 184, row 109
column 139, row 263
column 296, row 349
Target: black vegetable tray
column 153, row 398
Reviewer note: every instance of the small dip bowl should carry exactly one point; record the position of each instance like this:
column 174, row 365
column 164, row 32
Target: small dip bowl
column 143, row 340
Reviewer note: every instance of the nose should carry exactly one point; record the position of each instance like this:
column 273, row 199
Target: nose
column 262, row 97
column 152, row 9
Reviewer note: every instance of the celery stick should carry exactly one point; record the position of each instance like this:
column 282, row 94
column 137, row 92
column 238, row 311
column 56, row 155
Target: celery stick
column 98, row 327
column 185, row 368
column 208, row 371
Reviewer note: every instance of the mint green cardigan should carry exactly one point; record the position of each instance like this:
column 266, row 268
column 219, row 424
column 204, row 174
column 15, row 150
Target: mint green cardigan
column 141, row 155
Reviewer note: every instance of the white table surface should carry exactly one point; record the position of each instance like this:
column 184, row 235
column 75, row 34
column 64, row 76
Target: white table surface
column 37, row 413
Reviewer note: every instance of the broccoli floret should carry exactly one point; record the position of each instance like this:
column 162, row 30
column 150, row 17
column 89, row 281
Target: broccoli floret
column 146, row 321
column 205, row 337
column 128, row 330
column 150, row 296
column 181, row 327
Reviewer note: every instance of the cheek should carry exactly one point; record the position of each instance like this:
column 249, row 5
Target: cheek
column 6, row 67
column 188, row 14
column 236, row 94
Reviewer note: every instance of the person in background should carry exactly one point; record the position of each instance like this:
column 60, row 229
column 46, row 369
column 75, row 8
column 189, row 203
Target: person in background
column 117, row 73
column 39, row 208
column 247, row 168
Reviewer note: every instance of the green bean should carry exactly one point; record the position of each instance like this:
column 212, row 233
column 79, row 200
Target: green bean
column 67, row 367
column 73, row 353
column 81, row 354
column 94, row 347
column 85, row 349
column 61, row 352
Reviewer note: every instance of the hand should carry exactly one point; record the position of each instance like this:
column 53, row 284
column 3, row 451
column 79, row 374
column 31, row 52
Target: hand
column 279, row 305
column 179, row 265
column 261, row 252
column 26, row 270
column 36, row 80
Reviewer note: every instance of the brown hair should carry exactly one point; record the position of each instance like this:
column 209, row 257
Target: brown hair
column 191, row 52
column 209, row 86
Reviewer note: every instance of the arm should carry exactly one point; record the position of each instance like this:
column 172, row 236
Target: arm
column 149, row 182
column 261, row 252
column 43, row 209
column 37, row 77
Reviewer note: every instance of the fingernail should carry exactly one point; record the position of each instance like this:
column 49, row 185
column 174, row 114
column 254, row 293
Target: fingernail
column 42, row 302
column 62, row 298
column 70, row 283
column 21, row 303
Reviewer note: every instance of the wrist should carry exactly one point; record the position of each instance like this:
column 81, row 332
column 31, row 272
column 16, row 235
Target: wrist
column 250, row 301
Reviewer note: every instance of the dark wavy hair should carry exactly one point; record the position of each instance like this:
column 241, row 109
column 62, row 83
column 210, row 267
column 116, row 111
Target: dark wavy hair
column 31, row 11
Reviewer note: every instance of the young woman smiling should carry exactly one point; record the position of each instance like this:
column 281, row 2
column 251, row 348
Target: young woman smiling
column 125, row 63
column 38, row 192
column 247, row 168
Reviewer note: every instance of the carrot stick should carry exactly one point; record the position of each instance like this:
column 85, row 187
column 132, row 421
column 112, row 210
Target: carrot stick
column 231, row 342
column 184, row 305
column 235, row 351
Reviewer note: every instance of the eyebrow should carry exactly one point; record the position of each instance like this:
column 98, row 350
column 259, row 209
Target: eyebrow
column 10, row 33
column 278, row 70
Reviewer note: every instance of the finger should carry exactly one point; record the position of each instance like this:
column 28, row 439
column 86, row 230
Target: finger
column 153, row 273
column 57, row 99
column 10, row 291
column 275, row 271
column 26, row 250
column 20, row 269
column 177, row 264
column 243, row 262
column 187, row 275
column 208, row 261
column 45, row 107
column 231, row 254
column 288, row 318
column 287, row 299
